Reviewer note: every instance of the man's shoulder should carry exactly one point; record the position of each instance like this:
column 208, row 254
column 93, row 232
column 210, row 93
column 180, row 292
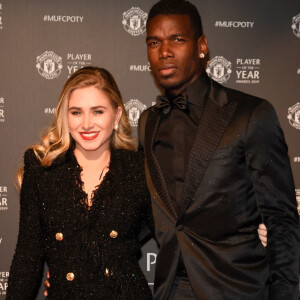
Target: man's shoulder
column 250, row 105
column 242, row 96
column 146, row 112
column 144, row 116
column 245, row 99
column 237, row 95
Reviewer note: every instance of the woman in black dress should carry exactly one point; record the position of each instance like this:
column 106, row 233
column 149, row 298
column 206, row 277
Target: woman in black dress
column 83, row 200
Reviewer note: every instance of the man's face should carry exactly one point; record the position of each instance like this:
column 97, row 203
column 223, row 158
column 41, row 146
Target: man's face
column 173, row 52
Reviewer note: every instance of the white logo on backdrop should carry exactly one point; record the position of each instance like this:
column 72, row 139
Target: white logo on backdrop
column 2, row 119
column 78, row 61
column 134, row 109
column 3, row 281
column 294, row 115
column 3, row 198
column 219, row 69
column 234, row 24
column 49, row 110
column 134, row 21
column 151, row 260
column 49, row 64
column 140, row 68
column 296, row 25
column 247, row 70
column 298, row 199
column 64, row 19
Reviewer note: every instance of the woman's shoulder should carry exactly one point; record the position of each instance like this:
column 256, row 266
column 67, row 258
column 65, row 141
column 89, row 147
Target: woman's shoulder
column 129, row 155
column 31, row 165
column 30, row 158
column 128, row 161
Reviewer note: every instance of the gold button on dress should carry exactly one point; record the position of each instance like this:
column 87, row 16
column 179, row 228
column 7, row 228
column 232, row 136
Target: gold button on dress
column 113, row 234
column 59, row 236
column 107, row 272
column 70, row 276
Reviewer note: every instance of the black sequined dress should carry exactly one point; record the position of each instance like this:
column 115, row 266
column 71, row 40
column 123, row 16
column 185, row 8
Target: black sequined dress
column 91, row 253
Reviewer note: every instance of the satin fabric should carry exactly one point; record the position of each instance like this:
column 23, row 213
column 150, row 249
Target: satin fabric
column 238, row 175
column 166, row 103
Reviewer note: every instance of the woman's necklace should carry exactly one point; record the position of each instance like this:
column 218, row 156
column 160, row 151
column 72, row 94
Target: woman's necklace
column 89, row 191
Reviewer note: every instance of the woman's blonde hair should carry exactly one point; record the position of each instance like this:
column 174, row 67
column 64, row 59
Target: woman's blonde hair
column 57, row 139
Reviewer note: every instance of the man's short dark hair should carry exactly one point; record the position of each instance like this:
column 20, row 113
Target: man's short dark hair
column 178, row 7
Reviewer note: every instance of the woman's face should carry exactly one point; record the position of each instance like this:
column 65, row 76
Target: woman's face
column 91, row 119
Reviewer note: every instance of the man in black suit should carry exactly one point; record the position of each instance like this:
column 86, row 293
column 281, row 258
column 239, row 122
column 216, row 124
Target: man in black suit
column 216, row 166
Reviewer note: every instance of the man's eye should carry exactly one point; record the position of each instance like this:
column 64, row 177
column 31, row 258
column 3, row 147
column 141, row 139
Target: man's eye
column 152, row 44
column 179, row 40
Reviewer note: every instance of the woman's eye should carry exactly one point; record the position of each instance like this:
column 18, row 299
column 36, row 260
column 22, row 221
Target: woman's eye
column 75, row 113
column 98, row 112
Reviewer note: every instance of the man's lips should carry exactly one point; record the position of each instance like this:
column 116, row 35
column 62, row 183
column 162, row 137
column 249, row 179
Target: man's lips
column 89, row 135
column 167, row 70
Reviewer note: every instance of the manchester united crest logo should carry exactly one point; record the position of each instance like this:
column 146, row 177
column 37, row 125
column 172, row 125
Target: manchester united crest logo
column 134, row 109
column 294, row 115
column 49, row 64
column 219, row 69
column 296, row 25
column 134, row 21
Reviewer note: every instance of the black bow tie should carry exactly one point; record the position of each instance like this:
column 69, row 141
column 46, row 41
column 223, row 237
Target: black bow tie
column 165, row 104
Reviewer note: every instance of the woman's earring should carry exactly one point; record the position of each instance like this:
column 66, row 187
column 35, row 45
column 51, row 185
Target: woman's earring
column 201, row 55
column 116, row 127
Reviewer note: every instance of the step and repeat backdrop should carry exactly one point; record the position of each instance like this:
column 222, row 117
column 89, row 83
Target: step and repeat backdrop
column 254, row 47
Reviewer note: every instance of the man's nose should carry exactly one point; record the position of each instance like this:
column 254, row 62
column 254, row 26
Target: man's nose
column 165, row 51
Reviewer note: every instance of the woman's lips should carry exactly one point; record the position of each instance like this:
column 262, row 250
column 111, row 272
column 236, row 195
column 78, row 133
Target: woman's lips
column 89, row 135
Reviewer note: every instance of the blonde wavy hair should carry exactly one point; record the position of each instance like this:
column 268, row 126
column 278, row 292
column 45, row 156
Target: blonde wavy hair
column 57, row 139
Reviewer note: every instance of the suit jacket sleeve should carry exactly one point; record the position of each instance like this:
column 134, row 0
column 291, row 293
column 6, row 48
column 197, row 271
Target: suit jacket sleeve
column 266, row 155
column 27, row 266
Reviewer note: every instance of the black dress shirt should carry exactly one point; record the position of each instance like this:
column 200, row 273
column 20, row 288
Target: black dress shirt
column 175, row 137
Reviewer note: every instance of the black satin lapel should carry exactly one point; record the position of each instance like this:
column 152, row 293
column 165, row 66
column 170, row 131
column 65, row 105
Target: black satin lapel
column 214, row 121
column 153, row 165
